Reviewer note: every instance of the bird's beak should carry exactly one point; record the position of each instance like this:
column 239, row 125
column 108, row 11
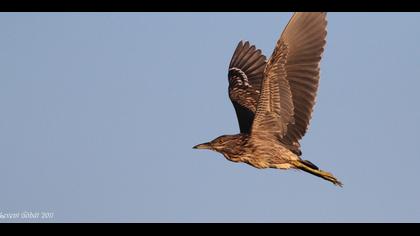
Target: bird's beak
column 203, row 146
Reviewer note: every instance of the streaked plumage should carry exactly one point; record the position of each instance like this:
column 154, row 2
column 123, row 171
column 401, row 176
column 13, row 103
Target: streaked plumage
column 274, row 99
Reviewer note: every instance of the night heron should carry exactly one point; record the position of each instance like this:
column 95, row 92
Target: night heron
column 274, row 99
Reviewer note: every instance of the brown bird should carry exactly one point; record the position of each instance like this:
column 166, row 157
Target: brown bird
column 274, row 99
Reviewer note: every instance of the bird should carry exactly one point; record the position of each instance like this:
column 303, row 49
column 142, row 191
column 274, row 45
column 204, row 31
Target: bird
column 274, row 99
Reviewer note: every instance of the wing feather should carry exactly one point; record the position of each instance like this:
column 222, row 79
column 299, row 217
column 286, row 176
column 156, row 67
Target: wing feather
column 275, row 106
column 291, row 79
column 245, row 77
column 305, row 36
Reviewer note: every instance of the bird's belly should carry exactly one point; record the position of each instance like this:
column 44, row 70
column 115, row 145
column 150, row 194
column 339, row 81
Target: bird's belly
column 271, row 156
column 281, row 166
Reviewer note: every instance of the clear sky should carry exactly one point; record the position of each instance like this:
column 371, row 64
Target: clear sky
column 99, row 113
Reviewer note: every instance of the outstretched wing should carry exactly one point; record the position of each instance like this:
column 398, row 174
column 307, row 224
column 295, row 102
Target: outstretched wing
column 305, row 37
column 291, row 80
column 245, row 76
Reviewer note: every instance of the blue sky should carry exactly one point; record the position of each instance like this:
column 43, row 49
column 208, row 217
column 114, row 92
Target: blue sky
column 99, row 113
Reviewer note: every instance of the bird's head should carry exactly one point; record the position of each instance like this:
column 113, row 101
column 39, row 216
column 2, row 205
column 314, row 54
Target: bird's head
column 222, row 144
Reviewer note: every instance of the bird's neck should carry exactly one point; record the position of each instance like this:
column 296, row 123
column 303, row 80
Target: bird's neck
column 235, row 153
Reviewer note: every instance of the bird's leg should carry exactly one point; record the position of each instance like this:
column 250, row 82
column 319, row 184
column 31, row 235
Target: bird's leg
column 320, row 173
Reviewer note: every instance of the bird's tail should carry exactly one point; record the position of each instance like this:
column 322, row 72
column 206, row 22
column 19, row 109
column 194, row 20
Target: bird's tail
column 312, row 169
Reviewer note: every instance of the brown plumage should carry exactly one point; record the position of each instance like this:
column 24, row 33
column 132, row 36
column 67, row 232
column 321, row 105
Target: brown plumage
column 274, row 99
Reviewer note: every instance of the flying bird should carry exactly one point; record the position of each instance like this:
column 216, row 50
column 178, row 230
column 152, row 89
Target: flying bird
column 274, row 98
